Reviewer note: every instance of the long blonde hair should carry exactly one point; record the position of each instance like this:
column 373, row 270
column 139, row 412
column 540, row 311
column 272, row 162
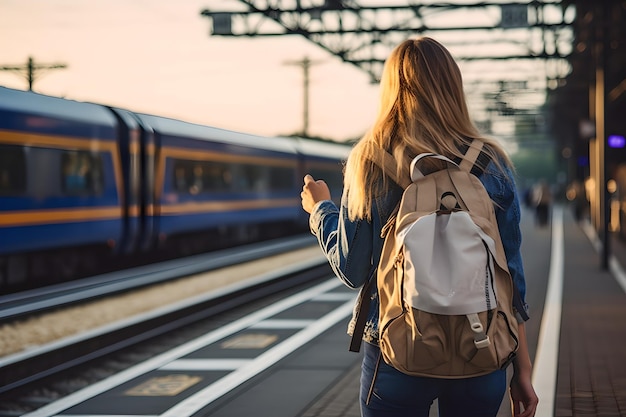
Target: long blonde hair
column 422, row 109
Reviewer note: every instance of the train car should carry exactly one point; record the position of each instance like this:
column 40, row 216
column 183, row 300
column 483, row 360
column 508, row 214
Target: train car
column 86, row 188
column 219, row 187
column 61, row 185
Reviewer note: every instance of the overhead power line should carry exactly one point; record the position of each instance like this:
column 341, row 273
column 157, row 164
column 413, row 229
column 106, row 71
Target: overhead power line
column 31, row 71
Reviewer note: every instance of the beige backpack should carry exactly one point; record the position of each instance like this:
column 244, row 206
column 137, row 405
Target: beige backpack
column 446, row 294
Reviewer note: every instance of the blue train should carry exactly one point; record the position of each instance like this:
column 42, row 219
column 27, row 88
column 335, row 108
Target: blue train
column 85, row 186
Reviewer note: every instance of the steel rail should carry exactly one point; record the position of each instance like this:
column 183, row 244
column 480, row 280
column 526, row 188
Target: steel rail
column 25, row 303
column 30, row 366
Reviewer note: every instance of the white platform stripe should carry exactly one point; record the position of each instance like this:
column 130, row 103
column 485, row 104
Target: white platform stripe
column 335, row 296
column 547, row 357
column 281, row 324
column 618, row 272
column 205, row 365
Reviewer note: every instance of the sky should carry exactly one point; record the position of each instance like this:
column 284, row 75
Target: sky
column 157, row 57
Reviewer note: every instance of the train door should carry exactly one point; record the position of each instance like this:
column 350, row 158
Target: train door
column 149, row 209
column 129, row 148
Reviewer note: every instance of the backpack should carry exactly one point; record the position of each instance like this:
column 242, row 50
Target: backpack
column 445, row 291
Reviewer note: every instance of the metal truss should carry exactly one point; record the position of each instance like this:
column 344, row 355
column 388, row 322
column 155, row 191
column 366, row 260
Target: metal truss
column 364, row 34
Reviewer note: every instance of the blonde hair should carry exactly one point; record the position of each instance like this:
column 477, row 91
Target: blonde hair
column 422, row 109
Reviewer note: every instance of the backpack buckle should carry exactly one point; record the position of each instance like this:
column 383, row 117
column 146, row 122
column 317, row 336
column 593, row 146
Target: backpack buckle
column 480, row 344
column 481, row 340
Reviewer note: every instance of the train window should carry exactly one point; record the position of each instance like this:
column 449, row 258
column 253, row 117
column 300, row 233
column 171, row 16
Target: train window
column 181, row 175
column 81, row 173
column 12, row 170
column 281, row 179
column 219, row 177
column 195, row 177
column 251, row 178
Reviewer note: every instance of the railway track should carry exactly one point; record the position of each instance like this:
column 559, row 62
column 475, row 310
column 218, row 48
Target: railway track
column 13, row 306
column 26, row 376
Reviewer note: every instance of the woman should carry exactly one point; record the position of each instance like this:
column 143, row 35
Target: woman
column 422, row 109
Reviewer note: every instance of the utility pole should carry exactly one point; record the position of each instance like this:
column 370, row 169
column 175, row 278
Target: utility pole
column 29, row 70
column 602, row 12
column 306, row 64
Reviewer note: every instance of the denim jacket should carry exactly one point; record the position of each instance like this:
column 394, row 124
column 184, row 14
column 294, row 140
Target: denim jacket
column 353, row 248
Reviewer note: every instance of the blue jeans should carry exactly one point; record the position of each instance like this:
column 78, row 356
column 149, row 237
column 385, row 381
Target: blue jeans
column 387, row 392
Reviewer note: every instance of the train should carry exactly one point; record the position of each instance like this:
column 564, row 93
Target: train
column 86, row 188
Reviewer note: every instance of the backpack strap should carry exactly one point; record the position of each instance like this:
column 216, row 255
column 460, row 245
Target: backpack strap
column 361, row 316
column 471, row 155
column 479, row 160
column 475, row 160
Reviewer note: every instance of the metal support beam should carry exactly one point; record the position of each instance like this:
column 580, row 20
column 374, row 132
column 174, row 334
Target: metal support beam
column 364, row 35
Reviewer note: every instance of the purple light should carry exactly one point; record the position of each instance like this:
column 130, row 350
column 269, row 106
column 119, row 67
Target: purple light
column 616, row 141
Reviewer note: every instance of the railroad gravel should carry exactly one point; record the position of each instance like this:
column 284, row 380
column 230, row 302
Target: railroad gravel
column 46, row 328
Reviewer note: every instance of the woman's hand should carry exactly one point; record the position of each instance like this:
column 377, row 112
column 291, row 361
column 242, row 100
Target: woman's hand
column 523, row 394
column 313, row 192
